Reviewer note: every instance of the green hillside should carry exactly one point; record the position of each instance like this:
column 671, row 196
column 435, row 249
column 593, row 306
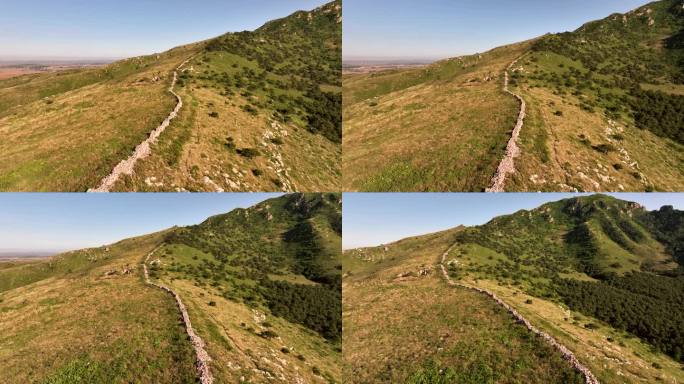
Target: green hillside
column 604, row 112
column 261, row 286
column 621, row 62
column 265, row 112
column 607, row 259
column 86, row 316
column 261, row 111
column 601, row 275
column 403, row 324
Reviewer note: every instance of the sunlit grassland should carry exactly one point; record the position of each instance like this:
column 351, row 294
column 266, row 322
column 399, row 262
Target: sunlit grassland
column 440, row 128
column 75, row 127
column 69, row 322
column 417, row 329
column 568, row 143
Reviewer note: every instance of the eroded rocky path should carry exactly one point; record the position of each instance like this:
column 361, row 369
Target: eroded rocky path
column 507, row 164
column 144, row 149
column 202, row 357
column 589, row 377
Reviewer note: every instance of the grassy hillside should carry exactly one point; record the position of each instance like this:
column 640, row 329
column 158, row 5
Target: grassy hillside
column 261, row 285
column 604, row 113
column 618, row 78
column 264, row 284
column 261, row 112
column 86, row 316
column 597, row 273
column 65, row 131
column 403, row 324
column 439, row 128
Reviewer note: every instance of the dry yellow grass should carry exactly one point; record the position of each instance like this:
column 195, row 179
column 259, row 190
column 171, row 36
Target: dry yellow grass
column 445, row 130
column 71, row 140
column 397, row 319
column 94, row 327
column 192, row 155
column 241, row 355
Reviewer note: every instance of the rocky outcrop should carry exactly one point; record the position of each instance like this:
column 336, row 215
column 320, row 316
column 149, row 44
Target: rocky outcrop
column 507, row 164
column 203, row 358
column 144, row 149
column 589, row 377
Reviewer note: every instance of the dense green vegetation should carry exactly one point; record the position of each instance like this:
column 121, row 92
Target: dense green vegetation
column 318, row 307
column 251, row 256
column 290, row 68
column 660, row 113
column 604, row 63
column 643, row 304
column 552, row 250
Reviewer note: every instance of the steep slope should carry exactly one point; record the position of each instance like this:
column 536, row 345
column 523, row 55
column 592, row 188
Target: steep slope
column 264, row 112
column 603, row 113
column 86, row 316
column 595, row 273
column 260, row 288
column 403, row 323
column 263, row 288
column 65, row 131
column 260, row 112
column 439, row 128
column 608, row 99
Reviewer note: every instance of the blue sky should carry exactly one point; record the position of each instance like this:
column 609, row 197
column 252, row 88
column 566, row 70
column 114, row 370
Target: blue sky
column 374, row 219
column 124, row 28
column 57, row 222
column 446, row 28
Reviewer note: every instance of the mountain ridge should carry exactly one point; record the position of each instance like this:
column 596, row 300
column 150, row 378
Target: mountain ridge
column 261, row 286
column 621, row 84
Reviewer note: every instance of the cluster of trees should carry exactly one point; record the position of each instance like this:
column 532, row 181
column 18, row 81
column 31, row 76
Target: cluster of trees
column 643, row 304
column 325, row 114
column 309, row 56
column 660, row 113
column 317, row 307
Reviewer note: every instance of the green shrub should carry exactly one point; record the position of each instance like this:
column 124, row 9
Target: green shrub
column 277, row 141
column 249, row 153
column 268, row 334
column 604, row 148
column 230, row 144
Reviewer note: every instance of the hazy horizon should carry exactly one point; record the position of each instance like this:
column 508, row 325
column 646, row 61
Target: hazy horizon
column 373, row 219
column 36, row 224
column 41, row 30
column 440, row 29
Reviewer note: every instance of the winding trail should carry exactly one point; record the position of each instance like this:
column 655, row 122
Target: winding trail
column 589, row 377
column 507, row 164
column 125, row 167
column 203, row 358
